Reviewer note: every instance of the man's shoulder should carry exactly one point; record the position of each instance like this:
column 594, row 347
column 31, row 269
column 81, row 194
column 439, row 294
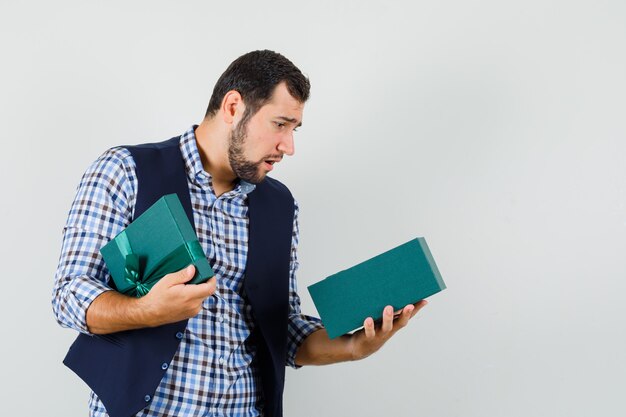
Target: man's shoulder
column 122, row 156
column 272, row 185
column 117, row 158
column 169, row 143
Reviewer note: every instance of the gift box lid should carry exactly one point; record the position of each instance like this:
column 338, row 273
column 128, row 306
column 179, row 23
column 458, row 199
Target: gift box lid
column 403, row 275
column 158, row 233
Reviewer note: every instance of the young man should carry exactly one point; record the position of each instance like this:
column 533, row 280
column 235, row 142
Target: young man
column 237, row 334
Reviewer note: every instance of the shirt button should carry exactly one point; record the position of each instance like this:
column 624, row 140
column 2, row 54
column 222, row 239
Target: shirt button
column 164, row 366
column 221, row 318
column 179, row 335
column 221, row 360
column 147, row 398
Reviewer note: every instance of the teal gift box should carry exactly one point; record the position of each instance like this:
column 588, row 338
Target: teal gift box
column 401, row 276
column 160, row 241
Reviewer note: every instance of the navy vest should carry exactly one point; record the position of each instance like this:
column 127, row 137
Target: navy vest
column 125, row 368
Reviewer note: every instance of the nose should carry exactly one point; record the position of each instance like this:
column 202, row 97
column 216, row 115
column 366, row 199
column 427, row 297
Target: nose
column 286, row 144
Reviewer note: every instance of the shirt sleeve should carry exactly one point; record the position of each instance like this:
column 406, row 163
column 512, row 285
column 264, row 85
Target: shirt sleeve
column 300, row 326
column 101, row 209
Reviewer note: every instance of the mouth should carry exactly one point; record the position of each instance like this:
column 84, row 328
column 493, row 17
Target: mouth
column 269, row 163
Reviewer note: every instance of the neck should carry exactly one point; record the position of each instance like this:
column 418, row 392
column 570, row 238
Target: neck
column 212, row 142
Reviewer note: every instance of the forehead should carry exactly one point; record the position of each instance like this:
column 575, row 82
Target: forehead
column 283, row 104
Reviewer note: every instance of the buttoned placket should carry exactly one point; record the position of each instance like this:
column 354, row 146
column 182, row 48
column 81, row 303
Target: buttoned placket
column 217, row 215
column 221, row 322
column 220, row 248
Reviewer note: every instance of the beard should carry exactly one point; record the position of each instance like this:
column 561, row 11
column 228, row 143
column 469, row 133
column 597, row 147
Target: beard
column 244, row 169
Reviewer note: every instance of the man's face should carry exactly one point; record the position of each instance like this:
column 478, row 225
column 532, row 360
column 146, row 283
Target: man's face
column 256, row 144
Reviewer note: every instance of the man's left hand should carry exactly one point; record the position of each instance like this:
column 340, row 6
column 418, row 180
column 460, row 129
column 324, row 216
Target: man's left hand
column 374, row 335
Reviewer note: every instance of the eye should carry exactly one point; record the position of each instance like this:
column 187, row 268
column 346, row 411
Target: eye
column 281, row 125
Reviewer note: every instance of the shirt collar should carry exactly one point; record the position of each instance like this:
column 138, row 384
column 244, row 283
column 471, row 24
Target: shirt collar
column 193, row 163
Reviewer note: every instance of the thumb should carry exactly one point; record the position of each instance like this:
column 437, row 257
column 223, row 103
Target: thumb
column 181, row 276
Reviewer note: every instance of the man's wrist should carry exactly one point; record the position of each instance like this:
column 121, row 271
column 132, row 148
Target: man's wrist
column 145, row 312
column 319, row 349
column 112, row 312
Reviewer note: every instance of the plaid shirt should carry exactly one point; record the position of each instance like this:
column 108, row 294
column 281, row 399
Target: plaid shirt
column 211, row 374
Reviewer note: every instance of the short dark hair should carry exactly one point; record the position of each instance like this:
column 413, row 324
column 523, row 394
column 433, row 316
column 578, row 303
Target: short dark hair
column 255, row 75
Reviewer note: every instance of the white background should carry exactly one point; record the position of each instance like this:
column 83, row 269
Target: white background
column 495, row 129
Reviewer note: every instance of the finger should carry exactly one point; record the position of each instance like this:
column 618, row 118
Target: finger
column 387, row 319
column 368, row 326
column 405, row 316
column 202, row 290
column 181, row 276
column 418, row 306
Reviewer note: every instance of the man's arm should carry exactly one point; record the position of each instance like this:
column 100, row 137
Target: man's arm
column 81, row 297
column 319, row 349
column 309, row 344
column 101, row 208
column 169, row 301
column 299, row 326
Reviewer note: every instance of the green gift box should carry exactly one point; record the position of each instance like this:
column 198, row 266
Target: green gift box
column 160, row 241
column 401, row 276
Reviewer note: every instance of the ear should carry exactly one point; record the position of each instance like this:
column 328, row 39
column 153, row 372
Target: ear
column 232, row 106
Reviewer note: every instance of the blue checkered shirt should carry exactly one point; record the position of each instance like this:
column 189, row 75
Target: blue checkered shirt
column 212, row 373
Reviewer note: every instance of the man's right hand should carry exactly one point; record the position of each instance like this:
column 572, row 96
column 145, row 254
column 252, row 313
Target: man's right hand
column 170, row 300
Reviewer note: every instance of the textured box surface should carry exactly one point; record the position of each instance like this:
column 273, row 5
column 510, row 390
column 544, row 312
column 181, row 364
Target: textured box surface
column 400, row 276
column 160, row 241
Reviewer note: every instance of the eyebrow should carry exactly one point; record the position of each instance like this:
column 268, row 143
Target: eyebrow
column 290, row 120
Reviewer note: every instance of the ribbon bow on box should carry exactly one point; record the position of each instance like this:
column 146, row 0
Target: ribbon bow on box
column 140, row 285
column 158, row 242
